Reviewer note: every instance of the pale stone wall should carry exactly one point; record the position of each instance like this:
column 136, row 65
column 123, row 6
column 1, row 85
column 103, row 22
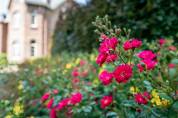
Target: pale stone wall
column 37, row 33
column 17, row 34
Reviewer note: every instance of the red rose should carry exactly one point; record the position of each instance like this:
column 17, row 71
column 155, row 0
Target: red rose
column 55, row 91
column 45, row 97
column 106, row 101
column 147, row 55
column 63, row 103
column 105, row 77
column 162, row 41
column 53, row 113
column 75, row 80
column 101, row 59
column 171, row 65
column 76, row 98
column 111, row 58
column 50, row 103
column 122, row 73
column 140, row 67
column 150, row 64
column 75, row 73
column 142, row 98
column 172, row 48
column 132, row 44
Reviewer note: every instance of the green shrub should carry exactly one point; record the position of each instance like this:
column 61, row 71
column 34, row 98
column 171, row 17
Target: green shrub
column 148, row 19
column 3, row 59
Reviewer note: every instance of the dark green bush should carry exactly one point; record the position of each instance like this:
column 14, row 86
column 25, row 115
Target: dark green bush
column 148, row 19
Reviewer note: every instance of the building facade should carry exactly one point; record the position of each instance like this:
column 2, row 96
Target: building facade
column 3, row 35
column 29, row 29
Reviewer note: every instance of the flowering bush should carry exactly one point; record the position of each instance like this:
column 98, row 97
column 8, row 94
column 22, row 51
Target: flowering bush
column 137, row 79
column 141, row 77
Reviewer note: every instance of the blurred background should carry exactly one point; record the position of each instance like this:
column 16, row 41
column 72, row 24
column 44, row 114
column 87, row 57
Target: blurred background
column 73, row 31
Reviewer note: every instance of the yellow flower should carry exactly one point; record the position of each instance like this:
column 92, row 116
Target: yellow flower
column 18, row 108
column 8, row 116
column 92, row 57
column 68, row 66
column 158, row 102
column 77, row 61
column 154, row 94
column 96, row 81
column 20, row 86
column 64, row 72
column 165, row 102
column 102, row 68
column 133, row 89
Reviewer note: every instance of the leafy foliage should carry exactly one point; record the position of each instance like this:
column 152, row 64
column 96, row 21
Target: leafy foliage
column 148, row 19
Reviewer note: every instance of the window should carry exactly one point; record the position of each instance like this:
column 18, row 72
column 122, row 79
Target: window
column 15, row 48
column 16, row 20
column 34, row 19
column 33, row 48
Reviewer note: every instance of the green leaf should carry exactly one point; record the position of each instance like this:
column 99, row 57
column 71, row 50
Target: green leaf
column 111, row 114
column 165, row 96
column 87, row 109
column 128, row 103
column 148, row 85
column 172, row 72
column 175, row 106
column 175, row 61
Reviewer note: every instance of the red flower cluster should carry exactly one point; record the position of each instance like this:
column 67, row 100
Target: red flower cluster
column 52, row 113
column 142, row 98
column 75, row 80
column 106, row 77
column 73, row 100
column 132, row 44
column 122, row 73
column 75, row 72
column 50, row 103
column 45, row 96
column 172, row 48
column 63, row 103
column 76, row 98
column 105, row 51
column 147, row 57
column 171, row 65
column 55, row 91
column 150, row 64
column 162, row 41
column 106, row 101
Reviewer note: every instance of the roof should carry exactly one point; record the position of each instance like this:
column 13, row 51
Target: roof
column 51, row 4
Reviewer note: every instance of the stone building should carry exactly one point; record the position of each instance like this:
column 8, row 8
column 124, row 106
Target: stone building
column 27, row 32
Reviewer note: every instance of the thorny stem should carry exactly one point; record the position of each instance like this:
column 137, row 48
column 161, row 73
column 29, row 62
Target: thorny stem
column 131, row 56
column 121, row 56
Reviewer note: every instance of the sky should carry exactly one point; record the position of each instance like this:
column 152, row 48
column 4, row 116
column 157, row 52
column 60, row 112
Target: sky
column 3, row 5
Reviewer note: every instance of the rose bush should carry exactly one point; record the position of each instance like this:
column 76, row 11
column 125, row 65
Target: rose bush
column 139, row 79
